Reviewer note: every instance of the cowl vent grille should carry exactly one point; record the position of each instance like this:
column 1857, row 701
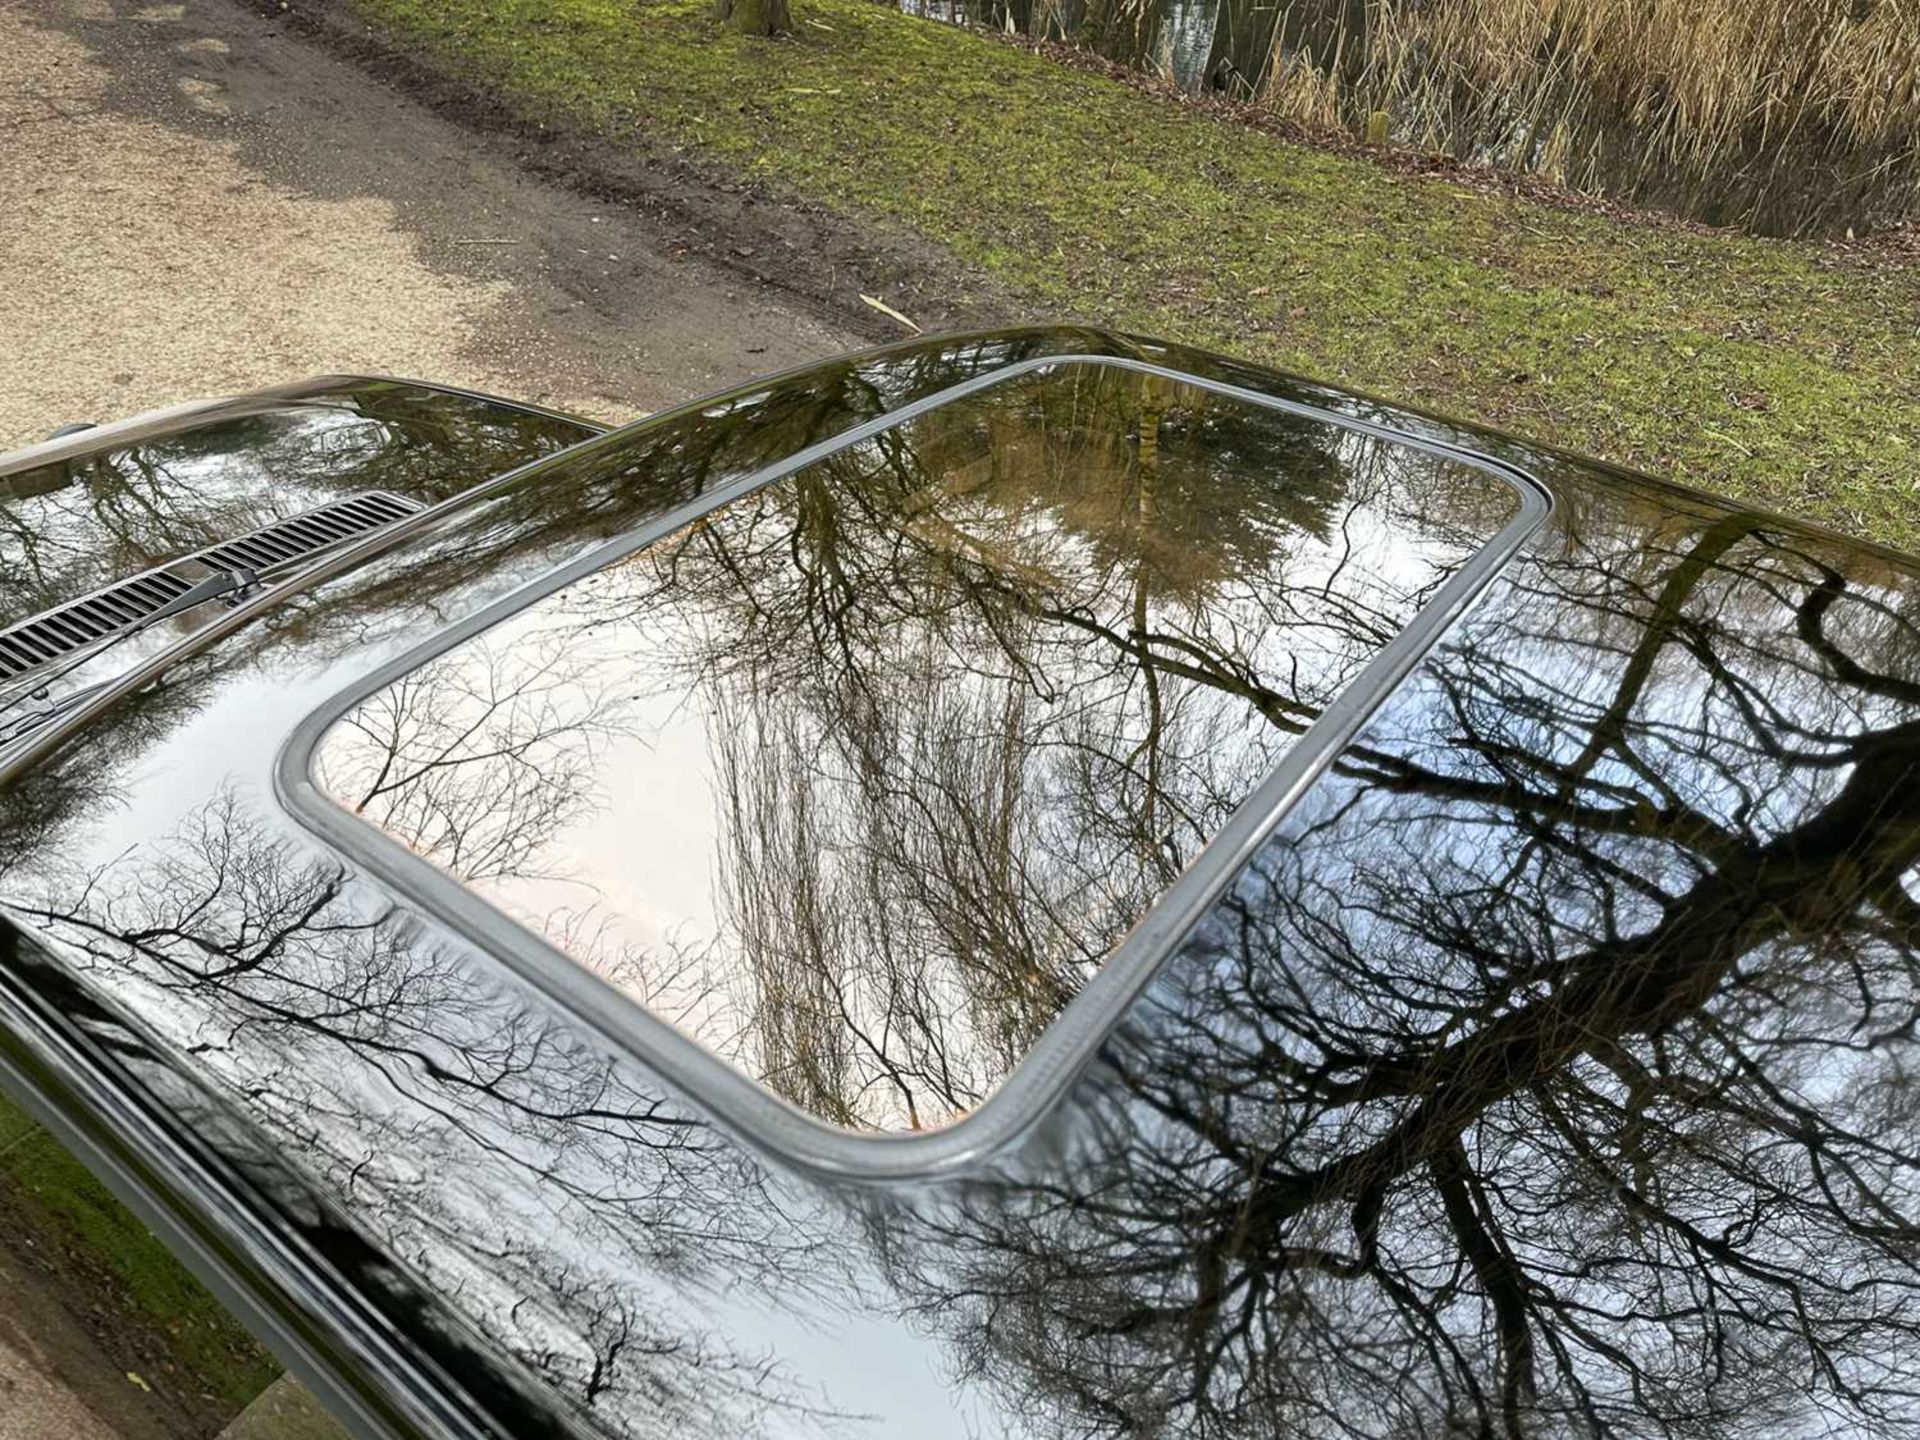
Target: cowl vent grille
column 55, row 634
column 285, row 541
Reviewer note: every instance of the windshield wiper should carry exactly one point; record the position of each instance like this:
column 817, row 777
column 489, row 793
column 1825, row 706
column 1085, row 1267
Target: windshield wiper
column 220, row 585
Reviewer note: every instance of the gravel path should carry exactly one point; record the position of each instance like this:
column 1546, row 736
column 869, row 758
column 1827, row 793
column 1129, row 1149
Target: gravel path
column 197, row 202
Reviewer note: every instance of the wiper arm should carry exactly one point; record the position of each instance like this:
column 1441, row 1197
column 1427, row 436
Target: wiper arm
column 222, row 583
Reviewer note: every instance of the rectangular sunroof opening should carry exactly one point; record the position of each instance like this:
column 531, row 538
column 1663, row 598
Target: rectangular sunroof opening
column 859, row 778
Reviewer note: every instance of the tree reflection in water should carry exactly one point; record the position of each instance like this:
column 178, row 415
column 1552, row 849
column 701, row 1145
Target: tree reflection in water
column 958, row 704
column 1550, row 1074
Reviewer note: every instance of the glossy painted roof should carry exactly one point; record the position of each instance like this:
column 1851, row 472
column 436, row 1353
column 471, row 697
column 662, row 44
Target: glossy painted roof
column 109, row 506
column 89, row 508
column 1544, row 1068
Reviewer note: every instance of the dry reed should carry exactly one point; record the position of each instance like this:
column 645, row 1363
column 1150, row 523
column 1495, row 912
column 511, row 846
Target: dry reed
column 1781, row 115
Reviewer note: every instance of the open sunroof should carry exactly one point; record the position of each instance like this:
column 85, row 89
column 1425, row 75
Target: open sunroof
column 860, row 778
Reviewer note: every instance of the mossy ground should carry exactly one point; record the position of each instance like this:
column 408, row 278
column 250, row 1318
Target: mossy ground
column 1784, row 373
column 127, row 1273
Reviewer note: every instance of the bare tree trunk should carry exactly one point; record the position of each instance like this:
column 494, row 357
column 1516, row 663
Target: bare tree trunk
column 755, row 17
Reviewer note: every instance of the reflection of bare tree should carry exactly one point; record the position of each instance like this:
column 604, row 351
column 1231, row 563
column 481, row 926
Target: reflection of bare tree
column 1550, row 1075
column 974, row 693
column 482, row 764
column 478, row 766
column 71, row 526
column 988, row 687
column 475, row 1129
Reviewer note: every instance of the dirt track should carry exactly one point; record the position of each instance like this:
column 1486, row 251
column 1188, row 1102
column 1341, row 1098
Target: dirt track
column 58, row 1383
column 197, row 201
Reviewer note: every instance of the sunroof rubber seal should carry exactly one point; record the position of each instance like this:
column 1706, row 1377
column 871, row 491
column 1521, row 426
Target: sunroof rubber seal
column 757, row 1116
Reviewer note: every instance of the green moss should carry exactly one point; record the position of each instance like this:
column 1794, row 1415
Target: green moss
column 1755, row 367
column 61, row 1203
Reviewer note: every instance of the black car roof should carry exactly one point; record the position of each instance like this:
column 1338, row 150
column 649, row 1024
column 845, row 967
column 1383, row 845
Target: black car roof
column 1538, row 1060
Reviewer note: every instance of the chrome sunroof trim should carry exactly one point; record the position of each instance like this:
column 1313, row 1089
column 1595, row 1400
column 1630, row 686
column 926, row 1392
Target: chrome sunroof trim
column 756, row 1115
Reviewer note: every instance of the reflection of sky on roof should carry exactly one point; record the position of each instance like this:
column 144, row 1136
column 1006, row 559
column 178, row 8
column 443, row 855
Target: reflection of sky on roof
column 986, row 605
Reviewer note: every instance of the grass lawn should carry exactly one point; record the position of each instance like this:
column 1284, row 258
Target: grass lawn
column 1785, row 373
column 116, row 1266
